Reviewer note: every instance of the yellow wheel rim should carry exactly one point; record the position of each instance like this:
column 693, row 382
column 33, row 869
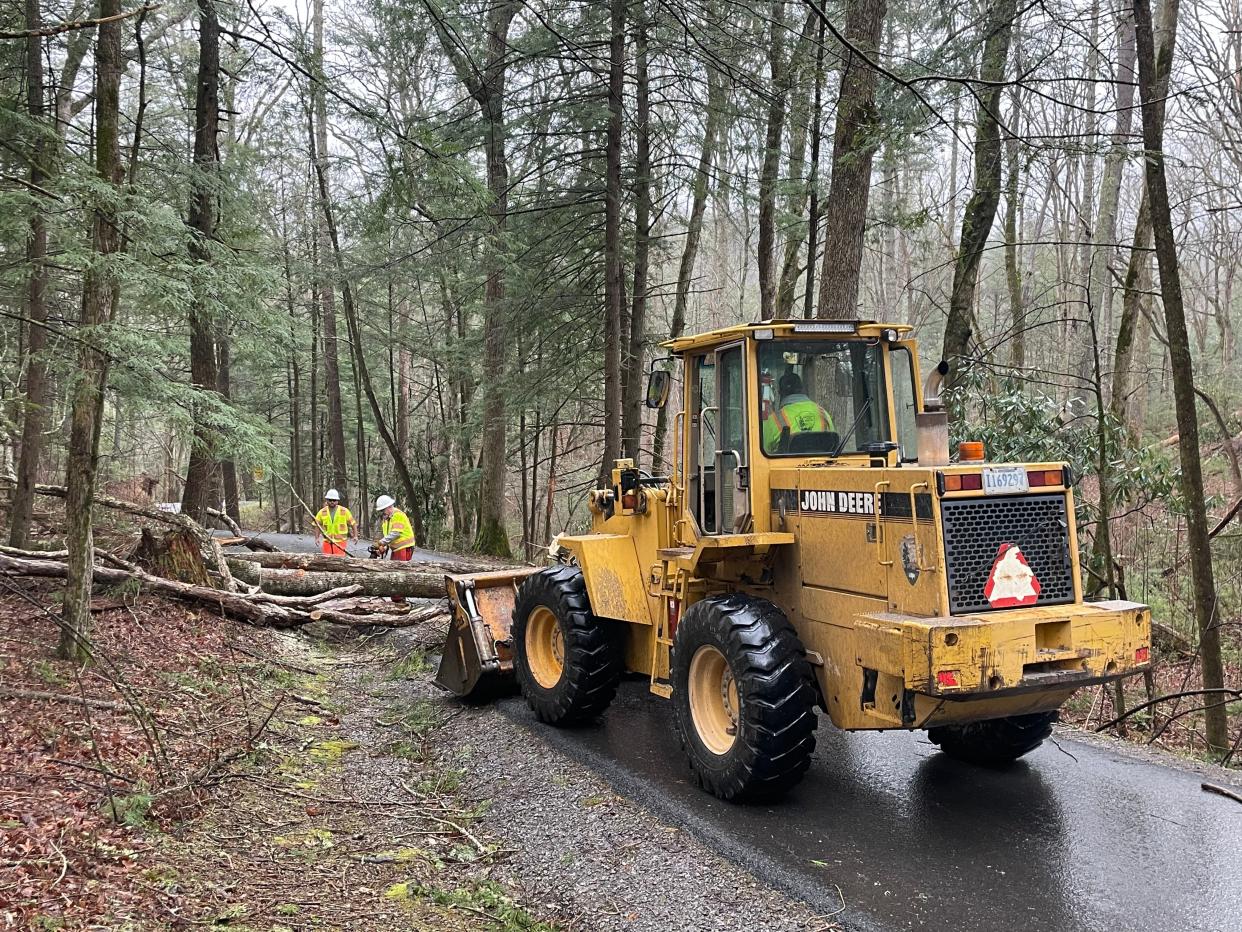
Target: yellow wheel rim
column 545, row 647
column 713, row 699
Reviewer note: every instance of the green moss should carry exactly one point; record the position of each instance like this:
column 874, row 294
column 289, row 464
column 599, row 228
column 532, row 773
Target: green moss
column 331, row 750
column 492, row 540
column 310, row 721
column 131, row 810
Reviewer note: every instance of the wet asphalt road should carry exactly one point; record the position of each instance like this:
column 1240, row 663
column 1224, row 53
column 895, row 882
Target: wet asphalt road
column 1071, row 838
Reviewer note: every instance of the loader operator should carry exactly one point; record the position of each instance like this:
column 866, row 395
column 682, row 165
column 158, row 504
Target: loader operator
column 334, row 525
column 797, row 413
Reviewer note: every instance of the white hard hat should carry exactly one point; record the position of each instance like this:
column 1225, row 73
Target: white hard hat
column 384, row 501
column 332, row 495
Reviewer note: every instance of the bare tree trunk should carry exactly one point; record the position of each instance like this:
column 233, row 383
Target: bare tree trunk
column 1104, row 250
column 99, row 294
column 632, row 422
column 487, row 87
column 1206, row 609
column 1013, row 201
column 228, row 469
column 613, row 259
column 331, row 353
column 812, row 223
column 800, row 116
column 981, row 209
column 202, row 223
column 33, row 415
column 712, row 120
column 852, row 150
column 770, row 168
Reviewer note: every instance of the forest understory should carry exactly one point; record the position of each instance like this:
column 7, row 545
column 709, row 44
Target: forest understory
column 204, row 772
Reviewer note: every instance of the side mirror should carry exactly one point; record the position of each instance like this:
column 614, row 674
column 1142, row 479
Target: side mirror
column 658, row 382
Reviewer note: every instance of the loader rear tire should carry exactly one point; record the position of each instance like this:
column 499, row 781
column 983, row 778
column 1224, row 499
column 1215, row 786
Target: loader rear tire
column 995, row 742
column 568, row 662
column 744, row 698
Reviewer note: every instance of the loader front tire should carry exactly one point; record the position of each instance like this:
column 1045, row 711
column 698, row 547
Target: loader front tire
column 995, row 742
column 743, row 697
column 568, row 662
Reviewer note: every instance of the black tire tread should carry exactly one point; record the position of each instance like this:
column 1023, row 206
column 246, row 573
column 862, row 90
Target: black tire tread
column 994, row 742
column 594, row 660
column 776, row 730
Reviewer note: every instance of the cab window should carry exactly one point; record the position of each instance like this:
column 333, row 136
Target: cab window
column 821, row 397
column 905, row 402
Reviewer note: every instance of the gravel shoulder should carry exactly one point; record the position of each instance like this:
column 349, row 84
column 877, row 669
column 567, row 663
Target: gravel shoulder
column 580, row 854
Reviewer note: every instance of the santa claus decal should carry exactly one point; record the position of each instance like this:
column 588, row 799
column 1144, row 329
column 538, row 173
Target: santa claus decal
column 1011, row 582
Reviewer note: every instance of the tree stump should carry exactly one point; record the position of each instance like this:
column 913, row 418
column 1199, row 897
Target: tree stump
column 174, row 555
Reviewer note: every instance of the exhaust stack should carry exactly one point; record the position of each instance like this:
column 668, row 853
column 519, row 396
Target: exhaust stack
column 933, row 421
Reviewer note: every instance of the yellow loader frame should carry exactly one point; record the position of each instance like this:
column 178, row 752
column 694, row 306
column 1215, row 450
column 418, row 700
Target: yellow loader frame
column 866, row 553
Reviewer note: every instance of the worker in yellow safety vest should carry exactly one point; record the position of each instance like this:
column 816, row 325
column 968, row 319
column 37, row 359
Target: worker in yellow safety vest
column 334, row 525
column 398, row 533
column 797, row 413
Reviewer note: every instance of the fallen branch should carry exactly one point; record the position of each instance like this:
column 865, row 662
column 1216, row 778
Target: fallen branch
column 306, row 600
column 8, row 692
column 1221, row 791
column 227, row 520
column 1236, row 694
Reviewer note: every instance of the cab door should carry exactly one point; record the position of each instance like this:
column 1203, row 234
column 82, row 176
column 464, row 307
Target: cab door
column 733, row 508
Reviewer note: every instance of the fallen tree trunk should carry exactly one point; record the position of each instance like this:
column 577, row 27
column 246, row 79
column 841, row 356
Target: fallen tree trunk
column 320, row 563
column 231, row 603
column 406, row 584
column 258, row 609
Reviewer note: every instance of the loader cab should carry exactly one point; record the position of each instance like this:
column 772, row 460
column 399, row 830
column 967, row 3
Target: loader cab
column 784, row 394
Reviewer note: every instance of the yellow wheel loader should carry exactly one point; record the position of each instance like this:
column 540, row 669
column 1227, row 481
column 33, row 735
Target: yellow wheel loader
column 815, row 549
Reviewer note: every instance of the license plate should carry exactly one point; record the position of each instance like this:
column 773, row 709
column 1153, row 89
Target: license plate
column 1004, row 480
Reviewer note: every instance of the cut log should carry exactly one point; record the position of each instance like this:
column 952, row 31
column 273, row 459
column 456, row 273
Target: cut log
column 245, row 571
column 405, row 583
column 321, row 563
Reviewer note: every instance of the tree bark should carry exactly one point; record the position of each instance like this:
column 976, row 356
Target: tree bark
column 487, row 87
column 632, row 390
column 99, row 295
column 321, row 563
column 327, row 295
column 769, row 170
column 1206, row 609
column 33, row 415
column 613, row 267
column 228, row 468
column 204, row 373
column 981, row 208
column 398, row 583
column 853, row 147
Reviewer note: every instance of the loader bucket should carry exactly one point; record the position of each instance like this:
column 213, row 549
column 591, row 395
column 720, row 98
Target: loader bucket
column 478, row 655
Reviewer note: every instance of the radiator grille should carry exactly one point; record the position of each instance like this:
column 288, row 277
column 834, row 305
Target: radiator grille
column 974, row 530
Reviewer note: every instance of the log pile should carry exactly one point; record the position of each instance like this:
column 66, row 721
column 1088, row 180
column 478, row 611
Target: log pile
column 273, row 589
